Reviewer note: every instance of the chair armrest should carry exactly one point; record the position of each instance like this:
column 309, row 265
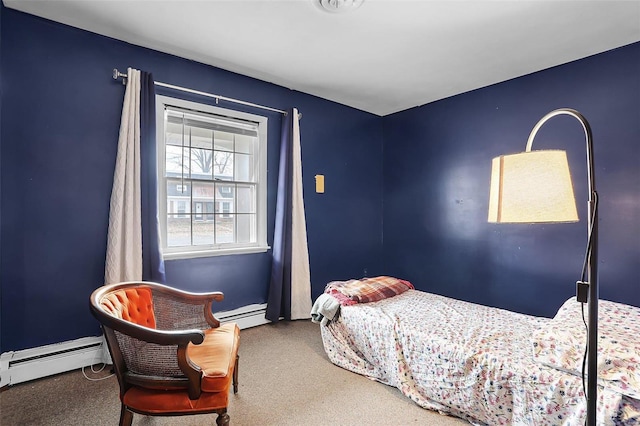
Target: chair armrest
column 196, row 298
column 149, row 335
column 181, row 307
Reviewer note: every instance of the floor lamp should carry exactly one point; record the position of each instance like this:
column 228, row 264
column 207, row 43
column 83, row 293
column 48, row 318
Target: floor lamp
column 535, row 187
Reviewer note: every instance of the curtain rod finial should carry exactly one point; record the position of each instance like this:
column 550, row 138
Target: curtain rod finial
column 117, row 74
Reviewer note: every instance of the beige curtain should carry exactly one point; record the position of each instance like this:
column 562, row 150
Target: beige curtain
column 300, row 274
column 124, row 237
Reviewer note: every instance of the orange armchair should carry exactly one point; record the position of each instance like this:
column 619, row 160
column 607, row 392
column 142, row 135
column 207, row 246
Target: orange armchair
column 170, row 354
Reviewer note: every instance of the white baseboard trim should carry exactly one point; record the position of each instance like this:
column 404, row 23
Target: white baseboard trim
column 35, row 363
column 246, row 316
column 29, row 364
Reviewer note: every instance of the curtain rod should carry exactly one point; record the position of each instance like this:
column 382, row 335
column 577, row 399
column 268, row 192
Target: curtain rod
column 117, row 74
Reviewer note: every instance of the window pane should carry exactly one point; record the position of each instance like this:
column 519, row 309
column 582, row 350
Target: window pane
column 178, row 206
column 246, row 228
column 201, row 138
column 223, row 141
column 203, row 200
column 225, row 228
column 225, row 198
column 174, row 161
column 178, row 230
column 244, row 168
column 203, row 191
column 201, row 163
column 245, row 144
column 178, row 197
column 223, row 165
column 202, row 230
column 246, row 199
column 173, row 134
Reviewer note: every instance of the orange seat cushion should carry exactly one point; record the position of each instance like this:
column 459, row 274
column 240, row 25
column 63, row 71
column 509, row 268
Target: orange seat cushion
column 216, row 356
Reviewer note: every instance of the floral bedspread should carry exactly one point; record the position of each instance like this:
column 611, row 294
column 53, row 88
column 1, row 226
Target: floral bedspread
column 560, row 343
column 466, row 360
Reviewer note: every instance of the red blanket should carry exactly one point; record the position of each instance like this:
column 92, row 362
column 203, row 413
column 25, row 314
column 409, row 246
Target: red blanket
column 367, row 289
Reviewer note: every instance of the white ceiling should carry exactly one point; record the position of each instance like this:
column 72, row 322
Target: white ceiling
column 384, row 57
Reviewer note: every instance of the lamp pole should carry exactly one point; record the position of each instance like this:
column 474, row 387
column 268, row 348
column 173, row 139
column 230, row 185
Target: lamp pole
column 592, row 260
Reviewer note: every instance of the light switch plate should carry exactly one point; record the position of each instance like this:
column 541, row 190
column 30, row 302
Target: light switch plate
column 320, row 184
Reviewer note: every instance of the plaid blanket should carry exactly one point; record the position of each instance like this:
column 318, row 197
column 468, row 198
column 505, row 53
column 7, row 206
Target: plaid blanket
column 367, row 289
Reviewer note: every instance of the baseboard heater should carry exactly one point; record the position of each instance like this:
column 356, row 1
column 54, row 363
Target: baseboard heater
column 246, row 316
column 30, row 364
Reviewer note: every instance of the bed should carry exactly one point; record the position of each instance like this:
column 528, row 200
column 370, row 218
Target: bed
column 486, row 365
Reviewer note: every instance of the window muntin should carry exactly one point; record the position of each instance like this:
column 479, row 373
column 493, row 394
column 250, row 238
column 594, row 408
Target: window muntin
column 211, row 179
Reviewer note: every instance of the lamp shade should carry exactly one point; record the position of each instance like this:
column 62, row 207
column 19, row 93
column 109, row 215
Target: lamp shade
column 532, row 187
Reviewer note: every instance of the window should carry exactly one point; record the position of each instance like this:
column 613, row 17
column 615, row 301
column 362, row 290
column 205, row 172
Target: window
column 211, row 179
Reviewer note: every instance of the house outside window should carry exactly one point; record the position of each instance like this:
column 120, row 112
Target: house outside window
column 211, row 179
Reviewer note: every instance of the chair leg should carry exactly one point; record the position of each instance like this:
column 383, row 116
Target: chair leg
column 223, row 418
column 235, row 375
column 126, row 416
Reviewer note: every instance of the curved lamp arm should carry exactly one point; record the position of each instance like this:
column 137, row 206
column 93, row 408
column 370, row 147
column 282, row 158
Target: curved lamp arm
column 589, row 138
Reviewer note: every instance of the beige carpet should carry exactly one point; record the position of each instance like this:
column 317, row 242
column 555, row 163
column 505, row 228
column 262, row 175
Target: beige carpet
column 285, row 379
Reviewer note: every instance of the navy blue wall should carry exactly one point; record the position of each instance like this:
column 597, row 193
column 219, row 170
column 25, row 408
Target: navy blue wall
column 58, row 135
column 60, row 119
column 437, row 161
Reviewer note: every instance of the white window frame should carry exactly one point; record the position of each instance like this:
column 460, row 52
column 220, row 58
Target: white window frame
column 187, row 252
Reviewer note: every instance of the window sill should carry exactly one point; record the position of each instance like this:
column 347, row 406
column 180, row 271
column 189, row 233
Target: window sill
column 211, row 253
